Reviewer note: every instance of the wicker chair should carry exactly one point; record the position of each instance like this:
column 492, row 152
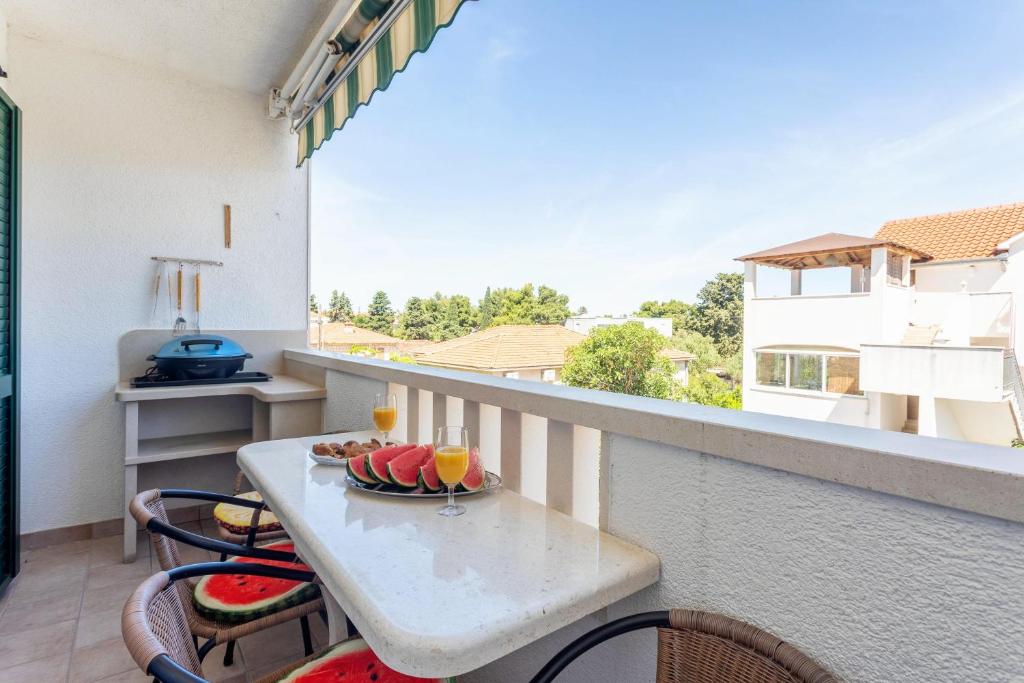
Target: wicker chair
column 703, row 647
column 155, row 622
column 148, row 510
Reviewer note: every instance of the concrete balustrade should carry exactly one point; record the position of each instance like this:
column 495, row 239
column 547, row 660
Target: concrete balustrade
column 886, row 556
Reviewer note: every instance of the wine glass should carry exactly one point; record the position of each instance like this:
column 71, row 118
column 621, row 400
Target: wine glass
column 385, row 414
column 451, row 455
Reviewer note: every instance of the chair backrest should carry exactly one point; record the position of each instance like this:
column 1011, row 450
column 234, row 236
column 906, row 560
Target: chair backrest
column 700, row 647
column 153, row 623
column 144, row 507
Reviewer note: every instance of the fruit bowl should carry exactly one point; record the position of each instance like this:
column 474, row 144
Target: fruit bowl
column 491, row 482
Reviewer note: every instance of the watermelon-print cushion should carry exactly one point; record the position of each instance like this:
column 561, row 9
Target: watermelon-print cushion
column 233, row 598
column 237, row 519
column 350, row 662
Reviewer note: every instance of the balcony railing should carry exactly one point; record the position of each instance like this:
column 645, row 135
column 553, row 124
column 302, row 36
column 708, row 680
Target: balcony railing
column 968, row 373
column 842, row 539
column 966, row 318
column 823, row 320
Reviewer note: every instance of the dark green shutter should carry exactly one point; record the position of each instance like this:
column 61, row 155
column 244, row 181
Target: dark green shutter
column 10, row 127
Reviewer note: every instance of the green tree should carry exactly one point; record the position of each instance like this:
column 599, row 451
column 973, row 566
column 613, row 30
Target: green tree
column 457, row 319
column 438, row 318
column 718, row 312
column 526, row 306
column 361, row 320
column 339, row 310
column 381, row 315
column 622, row 358
column 702, row 347
column 733, row 366
column 486, row 310
column 314, row 305
column 678, row 310
column 709, row 390
column 414, row 323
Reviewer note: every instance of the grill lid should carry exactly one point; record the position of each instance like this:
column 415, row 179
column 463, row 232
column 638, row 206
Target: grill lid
column 200, row 347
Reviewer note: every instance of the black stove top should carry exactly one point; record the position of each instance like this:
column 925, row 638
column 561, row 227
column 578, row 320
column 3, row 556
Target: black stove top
column 155, row 379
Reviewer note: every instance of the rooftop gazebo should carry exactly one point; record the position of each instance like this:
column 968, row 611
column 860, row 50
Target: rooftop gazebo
column 836, row 250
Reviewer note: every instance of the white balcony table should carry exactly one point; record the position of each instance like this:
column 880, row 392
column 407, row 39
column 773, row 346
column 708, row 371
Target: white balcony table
column 434, row 596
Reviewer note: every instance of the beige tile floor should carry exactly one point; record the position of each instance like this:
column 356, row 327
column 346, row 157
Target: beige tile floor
column 60, row 620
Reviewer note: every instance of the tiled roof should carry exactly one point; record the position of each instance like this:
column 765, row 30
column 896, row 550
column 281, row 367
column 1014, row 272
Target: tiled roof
column 810, row 252
column 675, row 355
column 343, row 333
column 504, row 348
column 974, row 233
column 511, row 347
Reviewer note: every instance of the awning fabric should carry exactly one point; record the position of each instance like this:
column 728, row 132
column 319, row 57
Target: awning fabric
column 412, row 32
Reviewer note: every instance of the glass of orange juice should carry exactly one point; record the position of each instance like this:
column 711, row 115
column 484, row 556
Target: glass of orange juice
column 385, row 414
column 451, row 455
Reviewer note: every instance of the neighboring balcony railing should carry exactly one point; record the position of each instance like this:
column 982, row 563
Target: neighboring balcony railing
column 966, row 318
column 969, row 373
column 822, row 320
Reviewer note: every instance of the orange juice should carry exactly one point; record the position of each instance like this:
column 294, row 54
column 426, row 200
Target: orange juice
column 452, row 463
column 385, row 418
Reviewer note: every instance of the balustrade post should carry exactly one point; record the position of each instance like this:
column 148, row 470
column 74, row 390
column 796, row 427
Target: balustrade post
column 471, row 421
column 560, row 466
column 511, row 449
column 440, row 415
column 412, row 415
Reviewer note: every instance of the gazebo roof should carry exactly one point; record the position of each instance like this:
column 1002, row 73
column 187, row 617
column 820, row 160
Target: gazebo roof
column 830, row 250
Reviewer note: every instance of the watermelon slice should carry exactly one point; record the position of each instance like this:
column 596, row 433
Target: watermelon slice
column 404, row 470
column 357, row 469
column 428, row 479
column 232, row 598
column 475, row 475
column 350, row 662
column 377, row 461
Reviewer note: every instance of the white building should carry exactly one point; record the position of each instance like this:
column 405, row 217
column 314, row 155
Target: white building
column 585, row 323
column 924, row 340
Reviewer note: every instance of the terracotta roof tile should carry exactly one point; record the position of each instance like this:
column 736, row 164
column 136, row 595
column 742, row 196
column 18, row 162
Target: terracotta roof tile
column 503, row 348
column 511, row 347
column 975, row 233
column 343, row 333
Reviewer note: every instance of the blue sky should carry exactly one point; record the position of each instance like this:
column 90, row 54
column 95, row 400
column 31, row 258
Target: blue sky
column 622, row 152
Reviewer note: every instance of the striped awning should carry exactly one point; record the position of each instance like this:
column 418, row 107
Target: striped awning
column 378, row 39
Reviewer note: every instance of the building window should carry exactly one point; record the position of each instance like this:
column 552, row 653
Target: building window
column 771, row 369
column 512, row 375
column 842, row 374
column 809, row 371
column 805, row 371
column 547, row 375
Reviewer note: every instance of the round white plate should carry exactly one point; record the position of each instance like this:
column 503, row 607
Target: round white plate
column 327, row 460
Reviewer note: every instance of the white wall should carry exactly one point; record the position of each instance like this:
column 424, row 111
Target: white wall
column 848, row 410
column 965, row 373
column 985, row 276
column 879, row 589
column 984, row 422
column 121, row 163
column 584, row 324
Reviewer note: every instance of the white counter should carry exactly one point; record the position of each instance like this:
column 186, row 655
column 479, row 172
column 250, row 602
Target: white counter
column 280, row 388
column 436, row 596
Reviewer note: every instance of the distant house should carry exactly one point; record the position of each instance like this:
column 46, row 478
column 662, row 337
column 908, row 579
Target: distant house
column 923, row 340
column 530, row 352
column 584, row 324
column 343, row 337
